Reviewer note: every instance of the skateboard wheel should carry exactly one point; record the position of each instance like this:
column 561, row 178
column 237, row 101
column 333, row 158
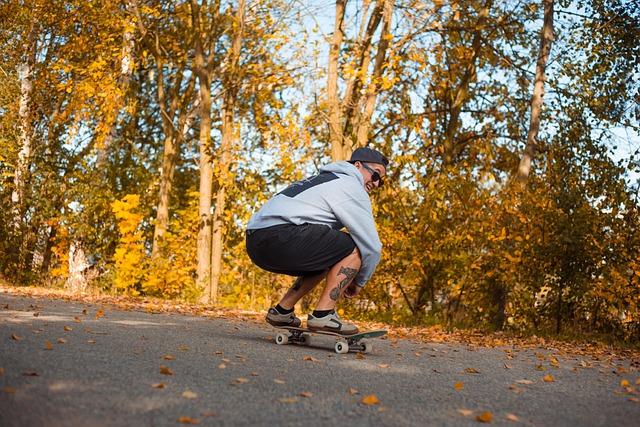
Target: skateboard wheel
column 342, row 347
column 367, row 347
column 282, row 339
column 305, row 339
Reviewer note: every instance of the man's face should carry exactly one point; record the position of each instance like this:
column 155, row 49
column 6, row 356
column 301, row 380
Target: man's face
column 372, row 174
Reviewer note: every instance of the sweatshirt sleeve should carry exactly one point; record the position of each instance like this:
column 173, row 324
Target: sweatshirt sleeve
column 357, row 216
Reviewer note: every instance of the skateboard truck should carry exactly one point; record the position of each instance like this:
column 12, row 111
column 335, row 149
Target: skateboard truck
column 344, row 344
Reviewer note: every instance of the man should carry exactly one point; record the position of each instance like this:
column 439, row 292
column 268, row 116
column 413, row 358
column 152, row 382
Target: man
column 297, row 233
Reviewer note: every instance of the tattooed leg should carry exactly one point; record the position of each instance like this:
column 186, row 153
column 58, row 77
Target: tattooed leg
column 349, row 274
column 339, row 277
column 300, row 288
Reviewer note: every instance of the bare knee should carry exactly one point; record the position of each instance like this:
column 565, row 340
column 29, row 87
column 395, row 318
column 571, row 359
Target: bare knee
column 355, row 254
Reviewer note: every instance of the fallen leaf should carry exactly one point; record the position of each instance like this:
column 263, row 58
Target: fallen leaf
column 459, row 385
column 360, row 356
column 277, row 381
column 16, row 337
column 209, row 414
column 36, row 314
column 188, row 420
column 48, row 345
column 61, row 341
column 99, row 314
column 352, row 391
column 189, row 395
column 637, row 381
column 540, row 368
column 68, row 328
column 524, row 381
column 219, row 352
column 383, row 365
column 512, row 417
column 222, row 366
column 168, row 357
column 507, row 366
column 485, row 417
column 255, row 374
column 471, row 371
column 465, row 412
column 554, row 362
column 8, row 389
column 370, row 399
column 310, row 359
column 634, row 399
column 288, row 400
column 625, row 383
column 84, row 311
column 1, row 372
column 241, row 380
column 30, row 374
column 515, row 388
column 91, row 341
column 183, row 348
column 77, row 319
column 165, row 371
column 306, row 394
column 158, row 385
column 548, row 378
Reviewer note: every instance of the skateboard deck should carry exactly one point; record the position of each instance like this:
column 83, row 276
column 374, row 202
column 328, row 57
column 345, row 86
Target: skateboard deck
column 344, row 344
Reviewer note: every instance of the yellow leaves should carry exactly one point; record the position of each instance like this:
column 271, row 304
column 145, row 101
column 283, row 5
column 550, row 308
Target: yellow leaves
column 370, row 399
column 548, row 378
column 625, row 383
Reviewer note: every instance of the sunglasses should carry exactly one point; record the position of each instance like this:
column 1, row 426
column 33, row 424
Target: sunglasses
column 375, row 176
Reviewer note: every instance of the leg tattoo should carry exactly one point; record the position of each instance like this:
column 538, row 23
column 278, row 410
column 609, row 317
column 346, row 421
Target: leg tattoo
column 349, row 273
column 296, row 285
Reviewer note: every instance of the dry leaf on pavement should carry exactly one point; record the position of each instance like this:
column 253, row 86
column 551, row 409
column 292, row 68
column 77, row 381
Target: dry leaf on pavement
column 188, row 420
column 471, row 371
column 548, row 378
column 465, row 412
column 459, row 385
column 165, row 371
column 512, row 417
column 16, row 337
column 48, row 345
column 352, row 391
column 188, row 394
column 370, row 399
column 306, row 394
column 158, row 385
column 288, row 400
column 485, row 417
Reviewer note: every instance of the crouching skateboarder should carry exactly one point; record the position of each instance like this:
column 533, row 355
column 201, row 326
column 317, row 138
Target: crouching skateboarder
column 298, row 233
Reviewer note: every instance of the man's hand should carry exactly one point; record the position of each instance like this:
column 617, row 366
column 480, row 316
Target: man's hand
column 352, row 290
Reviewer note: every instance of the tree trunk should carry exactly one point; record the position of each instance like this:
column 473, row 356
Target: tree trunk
column 369, row 101
column 203, row 270
column 333, row 104
column 546, row 40
column 231, row 85
column 21, row 176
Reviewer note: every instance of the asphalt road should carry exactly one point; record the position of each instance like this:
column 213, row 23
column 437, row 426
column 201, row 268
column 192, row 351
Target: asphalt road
column 73, row 364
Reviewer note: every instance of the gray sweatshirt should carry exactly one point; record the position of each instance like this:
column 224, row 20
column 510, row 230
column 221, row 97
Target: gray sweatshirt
column 336, row 198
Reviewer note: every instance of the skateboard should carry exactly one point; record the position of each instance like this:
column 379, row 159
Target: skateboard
column 344, row 344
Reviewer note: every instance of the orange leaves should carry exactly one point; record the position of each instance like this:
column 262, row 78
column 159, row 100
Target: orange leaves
column 485, row 417
column 165, row 370
column 548, row 378
column 458, row 385
column 16, row 337
column 370, row 399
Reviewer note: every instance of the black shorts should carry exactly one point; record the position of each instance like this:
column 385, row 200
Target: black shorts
column 298, row 250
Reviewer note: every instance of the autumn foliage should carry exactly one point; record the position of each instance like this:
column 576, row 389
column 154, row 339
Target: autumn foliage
column 108, row 110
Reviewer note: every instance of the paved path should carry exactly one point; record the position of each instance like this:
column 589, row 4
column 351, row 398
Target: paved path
column 78, row 364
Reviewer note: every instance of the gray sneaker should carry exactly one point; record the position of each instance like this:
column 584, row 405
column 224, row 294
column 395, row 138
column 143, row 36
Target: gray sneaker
column 276, row 319
column 331, row 323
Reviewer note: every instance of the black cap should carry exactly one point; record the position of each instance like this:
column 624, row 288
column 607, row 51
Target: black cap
column 369, row 155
